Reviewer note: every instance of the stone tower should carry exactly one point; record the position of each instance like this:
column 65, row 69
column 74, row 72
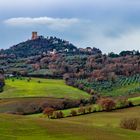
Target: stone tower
column 34, row 35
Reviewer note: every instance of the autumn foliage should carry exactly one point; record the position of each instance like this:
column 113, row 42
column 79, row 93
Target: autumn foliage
column 107, row 104
column 48, row 111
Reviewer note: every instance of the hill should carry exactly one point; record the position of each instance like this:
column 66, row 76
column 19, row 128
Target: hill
column 84, row 68
column 100, row 126
column 38, row 46
column 36, row 87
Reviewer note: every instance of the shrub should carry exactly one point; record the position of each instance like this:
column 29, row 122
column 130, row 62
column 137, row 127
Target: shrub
column 28, row 80
column 84, row 102
column 89, row 109
column 98, row 108
column 122, row 103
column 107, row 104
column 73, row 112
column 130, row 123
column 93, row 99
column 93, row 109
column 57, row 115
column 61, row 115
column 81, row 110
column 48, row 111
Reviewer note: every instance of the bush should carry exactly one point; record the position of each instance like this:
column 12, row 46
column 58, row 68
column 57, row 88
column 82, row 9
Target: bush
column 48, row 111
column 28, row 80
column 123, row 103
column 93, row 99
column 81, row 110
column 84, row 102
column 60, row 114
column 89, row 109
column 130, row 123
column 93, row 109
column 98, row 108
column 73, row 113
column 57, row 115
column 107, row 104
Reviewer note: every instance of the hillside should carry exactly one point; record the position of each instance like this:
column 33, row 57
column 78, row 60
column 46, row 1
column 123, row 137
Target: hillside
column 89, row 77
column 38, row 46
column 1, row 80
column 84, row 68
column 100, row 126
column 40, row 88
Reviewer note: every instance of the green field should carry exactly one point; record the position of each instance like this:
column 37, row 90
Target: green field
column 98, row 126
column 46, row 88
column 94, row 126
column 135, row 100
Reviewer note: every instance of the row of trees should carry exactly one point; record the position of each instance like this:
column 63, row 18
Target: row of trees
column 103, row 104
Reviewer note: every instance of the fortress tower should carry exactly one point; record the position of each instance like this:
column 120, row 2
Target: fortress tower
column 34, row 35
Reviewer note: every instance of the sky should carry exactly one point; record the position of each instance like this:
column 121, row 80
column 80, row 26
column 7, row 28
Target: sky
column 110, row 25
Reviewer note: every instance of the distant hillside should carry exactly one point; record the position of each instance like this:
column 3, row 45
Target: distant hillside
column 1, row 80
column 39, row 46
column 85, row 68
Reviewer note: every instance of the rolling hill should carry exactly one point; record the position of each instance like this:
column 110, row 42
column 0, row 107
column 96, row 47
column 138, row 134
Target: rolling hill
column 38, row 46
column 88, row 127
column 36, row 87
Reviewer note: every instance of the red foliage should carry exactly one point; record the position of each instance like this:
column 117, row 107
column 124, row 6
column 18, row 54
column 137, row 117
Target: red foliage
column 48, row 111
column 107, row 103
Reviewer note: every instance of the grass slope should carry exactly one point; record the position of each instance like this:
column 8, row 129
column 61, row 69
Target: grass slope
column 135, row 100
column 47, row 88
column 99, row 126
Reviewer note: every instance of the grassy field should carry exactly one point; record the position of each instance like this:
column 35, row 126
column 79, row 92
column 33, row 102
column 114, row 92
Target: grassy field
column 46, row 88
column 94, row 126
column 98, row 126
column 135, row 100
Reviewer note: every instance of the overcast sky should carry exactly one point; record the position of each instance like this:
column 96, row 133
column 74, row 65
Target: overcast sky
column 110, row 25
